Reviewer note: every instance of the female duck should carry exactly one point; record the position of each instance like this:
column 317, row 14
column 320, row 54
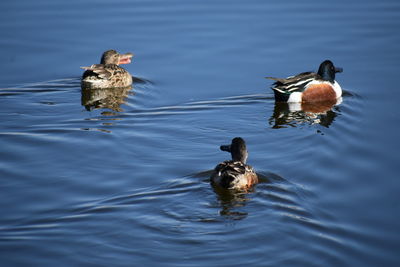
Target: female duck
column 309, row 86
column 234, row 174
column 108, row 74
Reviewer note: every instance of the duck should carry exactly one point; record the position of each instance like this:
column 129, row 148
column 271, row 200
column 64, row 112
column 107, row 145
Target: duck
column 234, row 174
column 309, row 86
column 108, row 74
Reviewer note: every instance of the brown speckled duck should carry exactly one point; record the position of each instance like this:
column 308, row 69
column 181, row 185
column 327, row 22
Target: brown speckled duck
column 108, row 74
column 235, row 173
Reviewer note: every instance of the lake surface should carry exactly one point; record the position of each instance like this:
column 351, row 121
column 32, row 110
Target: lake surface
column 121, row 178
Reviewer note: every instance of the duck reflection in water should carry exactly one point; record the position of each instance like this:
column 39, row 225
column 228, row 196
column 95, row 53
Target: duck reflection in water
column 232, row 202
column 292, row 114
column 110, row 98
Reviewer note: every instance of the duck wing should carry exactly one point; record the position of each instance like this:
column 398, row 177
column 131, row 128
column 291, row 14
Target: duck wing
column 235, row 175
column 228, row 171
column 231, row 168
column 101, row 70
column 292, row 84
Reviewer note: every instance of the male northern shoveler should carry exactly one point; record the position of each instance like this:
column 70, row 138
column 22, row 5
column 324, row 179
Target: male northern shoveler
column 309, row 86
column 108, row 74
column 234, row 174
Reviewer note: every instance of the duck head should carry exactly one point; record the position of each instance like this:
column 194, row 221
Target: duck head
column 237, row 149
column 113, row 57
column 327, row 71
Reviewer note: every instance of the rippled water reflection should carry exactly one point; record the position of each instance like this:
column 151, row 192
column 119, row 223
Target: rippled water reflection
column 121, row 177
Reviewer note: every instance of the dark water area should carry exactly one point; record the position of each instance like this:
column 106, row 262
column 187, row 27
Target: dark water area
column 121, row 177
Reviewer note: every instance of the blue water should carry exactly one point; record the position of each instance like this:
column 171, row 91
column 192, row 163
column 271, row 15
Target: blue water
column 121, row 178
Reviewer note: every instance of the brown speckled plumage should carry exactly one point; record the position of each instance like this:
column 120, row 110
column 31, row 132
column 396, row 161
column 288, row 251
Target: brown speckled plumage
column 107, row 74
column 235, row 173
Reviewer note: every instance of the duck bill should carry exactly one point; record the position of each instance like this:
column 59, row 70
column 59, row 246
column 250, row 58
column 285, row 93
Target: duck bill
column 125, row 58
column 226, row 148
column 338, row 70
